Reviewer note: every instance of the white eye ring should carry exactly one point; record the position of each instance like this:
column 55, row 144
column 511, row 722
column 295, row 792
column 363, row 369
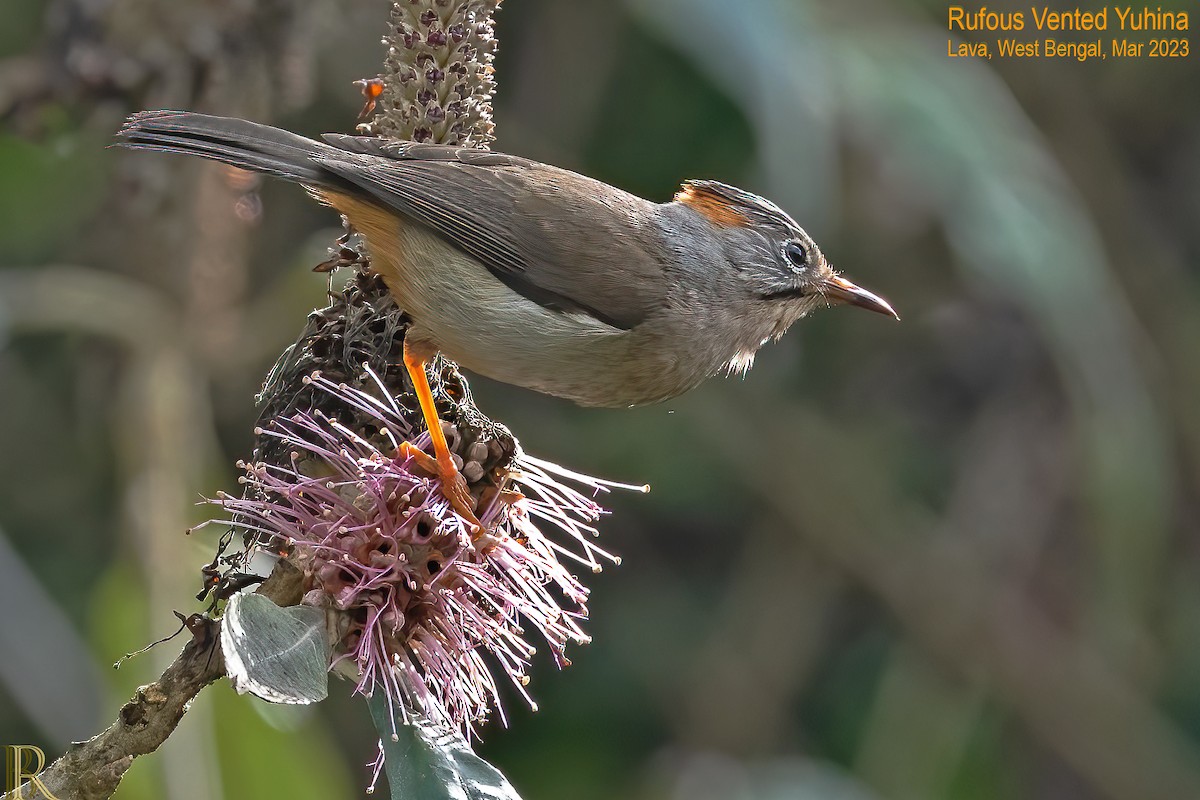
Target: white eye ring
column 796, row 253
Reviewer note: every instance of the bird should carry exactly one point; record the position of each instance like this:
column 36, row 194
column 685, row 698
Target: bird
column 537, row 276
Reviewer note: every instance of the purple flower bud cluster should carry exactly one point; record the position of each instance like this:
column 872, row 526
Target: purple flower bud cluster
column 427, row 616
column 438, row 75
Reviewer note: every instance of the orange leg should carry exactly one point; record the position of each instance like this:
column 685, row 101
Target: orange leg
column 454, row 485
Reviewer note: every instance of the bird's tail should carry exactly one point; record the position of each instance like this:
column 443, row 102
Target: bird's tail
column 236, row 142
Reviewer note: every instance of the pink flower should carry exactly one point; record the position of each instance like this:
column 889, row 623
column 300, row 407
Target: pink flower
column 429, row 617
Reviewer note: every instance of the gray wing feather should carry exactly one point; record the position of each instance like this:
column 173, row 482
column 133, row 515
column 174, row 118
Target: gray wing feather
column 560, row 239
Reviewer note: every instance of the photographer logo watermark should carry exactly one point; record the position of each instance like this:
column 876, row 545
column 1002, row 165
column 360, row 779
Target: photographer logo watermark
column 24, row 762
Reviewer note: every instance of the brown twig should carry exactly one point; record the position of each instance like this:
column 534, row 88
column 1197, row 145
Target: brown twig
column 92, row 770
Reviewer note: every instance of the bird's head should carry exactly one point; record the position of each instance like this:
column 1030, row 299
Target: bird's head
column 779, row 267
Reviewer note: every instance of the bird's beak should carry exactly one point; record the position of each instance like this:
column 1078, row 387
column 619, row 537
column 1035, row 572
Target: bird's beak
column 839, row 290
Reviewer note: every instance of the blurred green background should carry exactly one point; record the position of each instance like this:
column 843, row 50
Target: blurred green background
column 955, row 557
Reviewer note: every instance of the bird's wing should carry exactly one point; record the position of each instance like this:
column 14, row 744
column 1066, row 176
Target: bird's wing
column 562, row 240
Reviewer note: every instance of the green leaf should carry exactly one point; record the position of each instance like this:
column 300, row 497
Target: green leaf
column 278, row 654
column 431, row 761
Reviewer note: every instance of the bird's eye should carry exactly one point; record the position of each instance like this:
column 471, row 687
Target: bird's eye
column 796, row 253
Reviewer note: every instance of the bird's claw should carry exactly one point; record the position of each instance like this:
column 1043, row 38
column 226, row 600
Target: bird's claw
column 423, row 460
column 454, row 485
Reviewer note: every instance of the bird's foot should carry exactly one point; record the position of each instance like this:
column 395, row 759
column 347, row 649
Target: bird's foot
column 454, row 485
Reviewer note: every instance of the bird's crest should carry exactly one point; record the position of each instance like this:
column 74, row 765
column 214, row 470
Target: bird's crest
column 720, row 204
